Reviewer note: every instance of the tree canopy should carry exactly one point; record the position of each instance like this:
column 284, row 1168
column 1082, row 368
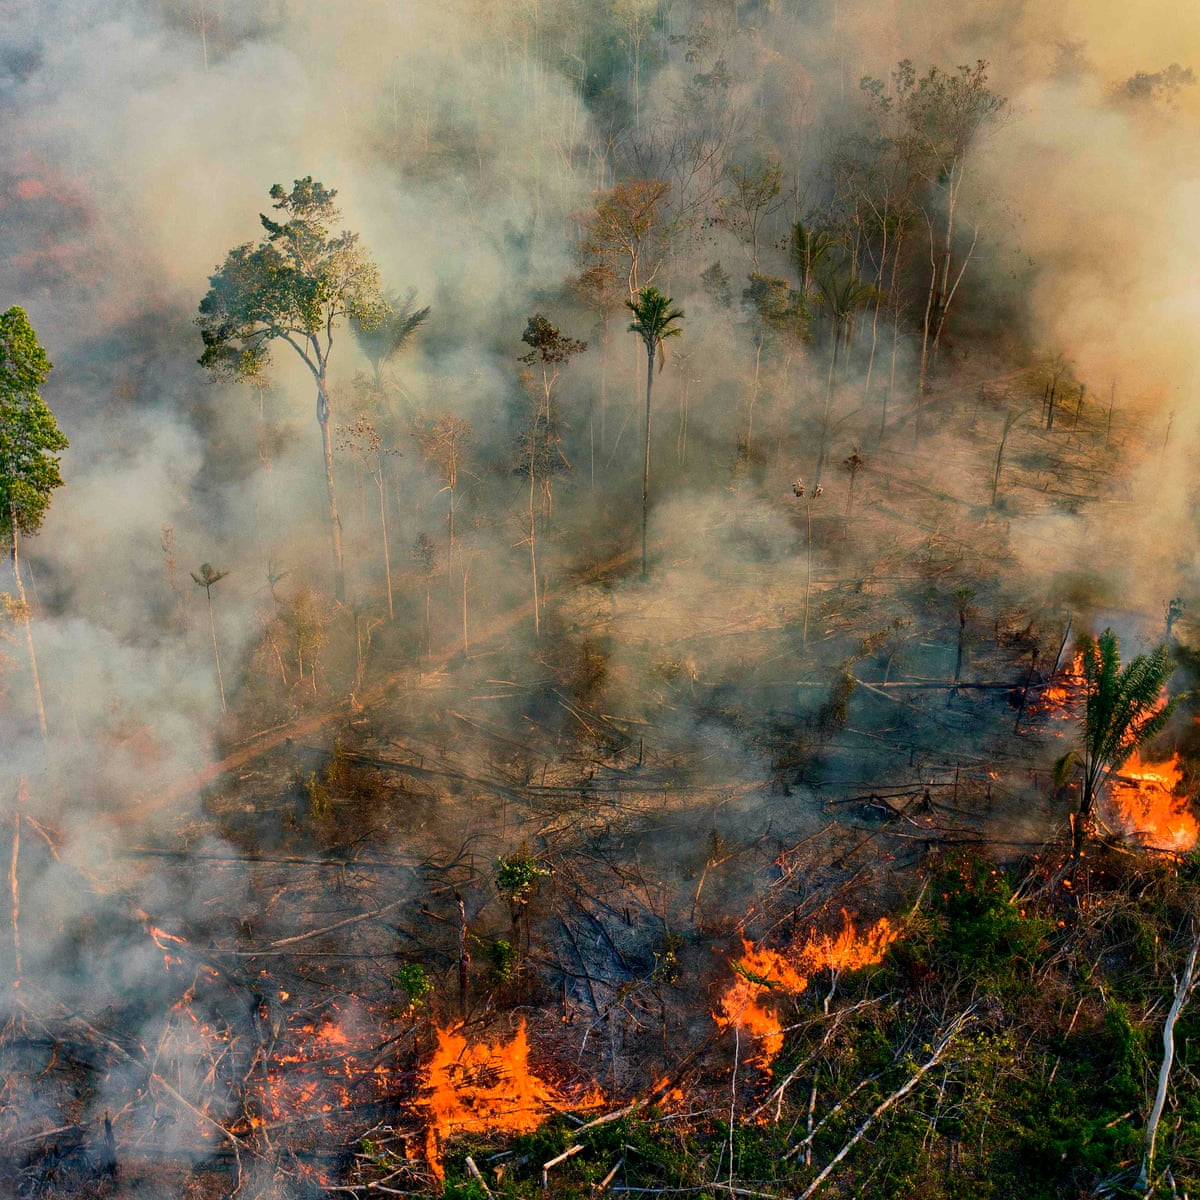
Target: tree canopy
column 295, row 285
column 29, row 435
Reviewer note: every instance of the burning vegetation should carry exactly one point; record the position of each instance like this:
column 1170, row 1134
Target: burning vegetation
column 1148, row 802
column 724, row 517
column 766, row 978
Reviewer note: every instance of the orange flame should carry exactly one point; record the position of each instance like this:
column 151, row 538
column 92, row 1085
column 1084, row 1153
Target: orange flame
column 762, row 973
column 1060, row 700
column 1145, row 799
column 745, row 1006
column 485, row 1086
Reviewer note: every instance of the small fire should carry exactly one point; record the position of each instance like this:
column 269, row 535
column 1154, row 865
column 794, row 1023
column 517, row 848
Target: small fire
column 161, row 938
column 485, row 1086
column 746, row 1005
column 1145, row 799
column 320, row 1067
column 1059, row 701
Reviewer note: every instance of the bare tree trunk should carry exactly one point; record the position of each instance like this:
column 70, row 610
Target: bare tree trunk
column 1183, row 989
column 335, row 524
column 830, row 383
column 212, row 628
column 387, row 558
column 754, row 393
column 464, row 570
column 537, row 616
column 646, row 468
column 35, row 678
column 464, row 957
column 14, row 884
column 926, row 329
column 808, row 581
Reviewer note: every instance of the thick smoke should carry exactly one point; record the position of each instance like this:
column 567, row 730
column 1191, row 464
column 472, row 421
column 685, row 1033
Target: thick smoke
column 467, row 140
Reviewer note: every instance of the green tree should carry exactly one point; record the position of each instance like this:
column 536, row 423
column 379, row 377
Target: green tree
column 296, row 285
column 29, row 443
column 654, row 320
column 1124, row 709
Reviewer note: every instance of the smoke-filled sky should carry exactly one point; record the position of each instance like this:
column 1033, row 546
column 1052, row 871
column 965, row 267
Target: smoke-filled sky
column 466, row 140
column 140, row 140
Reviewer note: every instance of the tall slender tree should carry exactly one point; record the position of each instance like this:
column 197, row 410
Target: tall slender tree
column 206, row 578
column 540, row 454
column 654, row 320
column 297, row 285
column 29, row 465
column 362, row 439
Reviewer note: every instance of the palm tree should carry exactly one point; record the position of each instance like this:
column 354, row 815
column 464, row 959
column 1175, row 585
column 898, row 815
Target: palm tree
column 1124, row 710
column 207, row 577
column 653, row 321
column 381, row 343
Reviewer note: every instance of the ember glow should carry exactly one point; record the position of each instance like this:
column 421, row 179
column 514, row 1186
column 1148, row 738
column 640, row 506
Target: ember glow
column 762, row 974
column 1145, row 799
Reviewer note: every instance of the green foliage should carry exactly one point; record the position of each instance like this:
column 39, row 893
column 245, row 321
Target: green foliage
column 502, row 959
column 387, row 331
column 295, row 285
column 320, row 799
column 518, row 877
column 980, row 927
column 1123, row 709
column 778, row 305
column 811, row 250
column 411, row 979
column 29, row 435
column 654, row 320
column 549, row 346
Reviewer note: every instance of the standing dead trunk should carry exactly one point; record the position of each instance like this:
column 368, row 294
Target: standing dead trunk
column 650, row 349
column 830, row 383
column 14, row 884
column 34, row 677
column 464, row 568
column 464, row 957
column 335, row 524
column 387, row 557
column 212, row 629
column 537, row 616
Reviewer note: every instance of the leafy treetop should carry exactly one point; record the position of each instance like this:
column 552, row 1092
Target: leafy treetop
column 654, row 318
column 29, row 435
column 296, row 285
column 549, row 344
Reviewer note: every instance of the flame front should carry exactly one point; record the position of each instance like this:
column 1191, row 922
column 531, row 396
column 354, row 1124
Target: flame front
column 746, row 1006
column 762, row 973
column 487, row 1086
column 1145, row 801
